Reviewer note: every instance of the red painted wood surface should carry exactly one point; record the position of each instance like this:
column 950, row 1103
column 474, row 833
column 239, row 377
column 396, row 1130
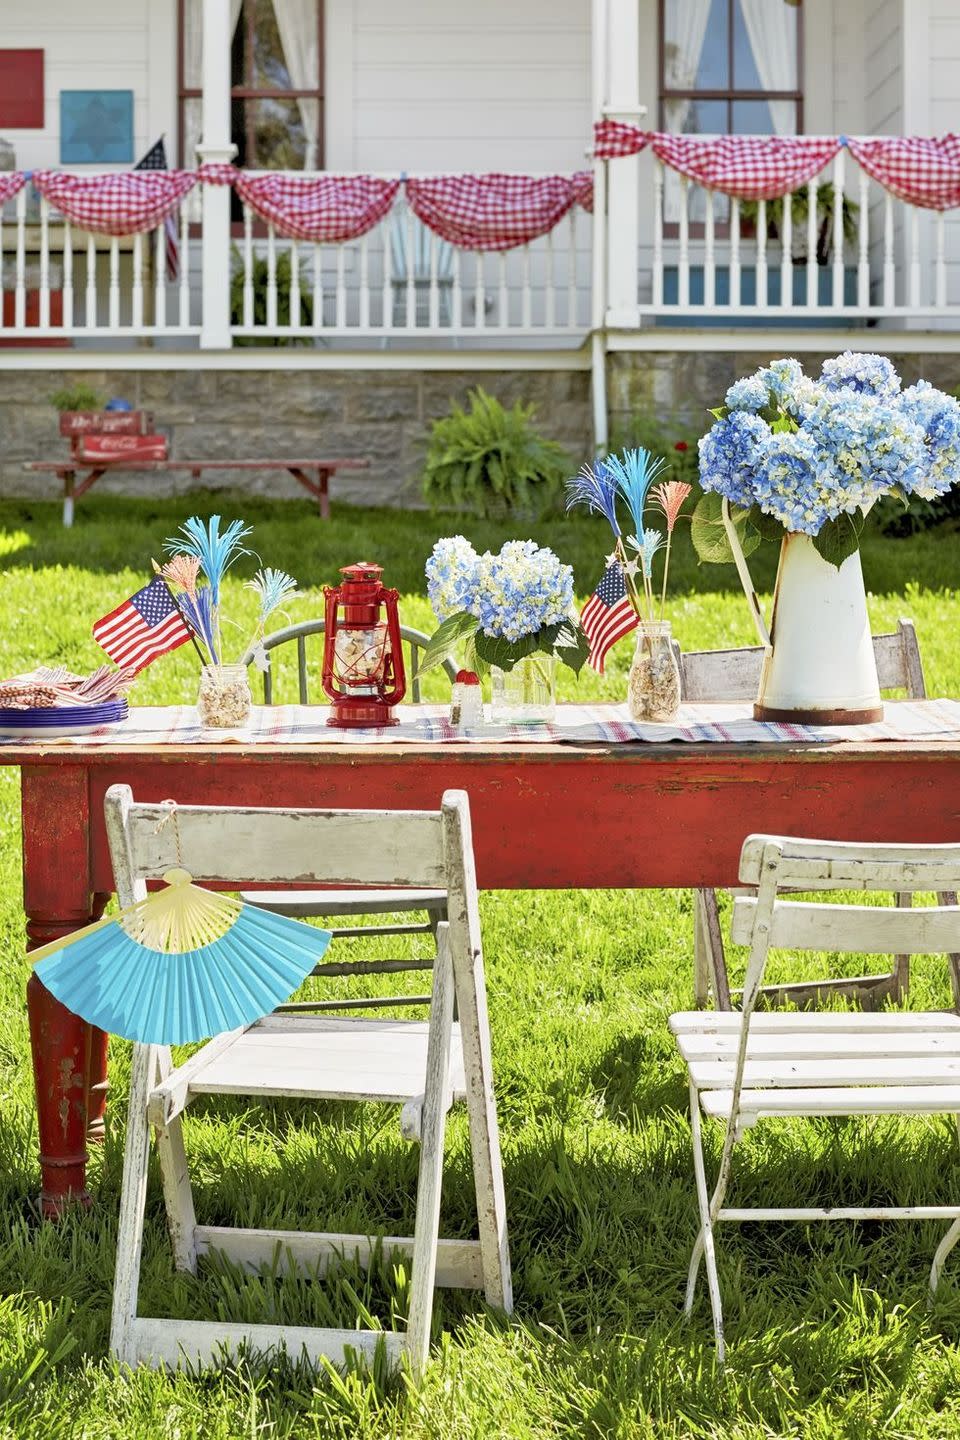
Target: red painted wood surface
column 21, row 90
column 543, row 816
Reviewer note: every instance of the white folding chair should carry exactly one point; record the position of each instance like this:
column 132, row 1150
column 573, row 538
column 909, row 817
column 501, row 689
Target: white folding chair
column 744, row 1068
column 731, row 675
column 422, row 1066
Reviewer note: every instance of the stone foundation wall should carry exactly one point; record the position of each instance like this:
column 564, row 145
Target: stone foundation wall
column 224, row 414
column 688, row 383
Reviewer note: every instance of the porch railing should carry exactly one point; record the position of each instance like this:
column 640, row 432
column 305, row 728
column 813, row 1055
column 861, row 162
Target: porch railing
column 840, row 248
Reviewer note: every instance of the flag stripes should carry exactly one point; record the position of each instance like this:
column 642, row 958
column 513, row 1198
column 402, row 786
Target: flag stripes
column 143, row 628
column 608, row 615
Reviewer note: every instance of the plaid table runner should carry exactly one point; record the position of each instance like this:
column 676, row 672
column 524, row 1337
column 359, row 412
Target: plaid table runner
column 307, row 724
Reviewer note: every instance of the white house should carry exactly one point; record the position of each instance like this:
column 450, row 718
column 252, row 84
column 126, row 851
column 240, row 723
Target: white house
column 658, row 297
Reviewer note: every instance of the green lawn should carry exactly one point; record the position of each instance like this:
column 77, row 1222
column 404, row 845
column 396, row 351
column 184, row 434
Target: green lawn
column 830, row 1334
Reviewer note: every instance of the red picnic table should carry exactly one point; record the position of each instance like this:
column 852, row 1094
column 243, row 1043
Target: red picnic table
column 314, row 475
column 543, row 816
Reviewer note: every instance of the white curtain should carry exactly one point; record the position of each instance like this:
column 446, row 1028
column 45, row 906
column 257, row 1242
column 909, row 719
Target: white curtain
column 193, row 71
column 685, row 31
column 297, row 23
column 772, row 30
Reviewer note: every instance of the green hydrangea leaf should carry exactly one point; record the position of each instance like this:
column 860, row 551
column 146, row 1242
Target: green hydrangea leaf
column 444, row 639
column 709, row 535
column 837, row 539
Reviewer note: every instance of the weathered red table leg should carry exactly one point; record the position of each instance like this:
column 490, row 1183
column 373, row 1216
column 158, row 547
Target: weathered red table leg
column 58, row 897
column 97, row 1085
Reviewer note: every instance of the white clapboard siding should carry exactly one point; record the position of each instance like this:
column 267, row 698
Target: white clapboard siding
column 837, row 865
column 853, row 929
column 319, row 846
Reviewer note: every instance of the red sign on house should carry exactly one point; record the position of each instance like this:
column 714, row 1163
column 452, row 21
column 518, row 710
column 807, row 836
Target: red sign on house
column 21, row 89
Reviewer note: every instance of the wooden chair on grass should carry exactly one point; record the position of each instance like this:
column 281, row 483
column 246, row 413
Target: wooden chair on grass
column 720, row 676
column 343, row 903
column 744, row 1068
column 421, row 1066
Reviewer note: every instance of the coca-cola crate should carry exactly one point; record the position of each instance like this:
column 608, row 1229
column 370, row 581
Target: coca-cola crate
column 128, row 448
column 106, row 422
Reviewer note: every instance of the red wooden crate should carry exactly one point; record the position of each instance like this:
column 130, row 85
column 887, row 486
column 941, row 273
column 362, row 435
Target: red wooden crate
column 128, row 448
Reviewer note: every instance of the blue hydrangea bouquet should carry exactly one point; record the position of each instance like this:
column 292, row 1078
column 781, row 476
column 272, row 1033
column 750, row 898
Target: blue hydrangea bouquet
column 501, row 608
column 797, row 455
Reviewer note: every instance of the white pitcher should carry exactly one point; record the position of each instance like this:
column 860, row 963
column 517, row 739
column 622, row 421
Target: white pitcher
column 818, row 666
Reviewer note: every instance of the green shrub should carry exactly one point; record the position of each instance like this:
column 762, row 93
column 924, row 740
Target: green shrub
column 284, row 285
column 490, row 461
column 76, row 397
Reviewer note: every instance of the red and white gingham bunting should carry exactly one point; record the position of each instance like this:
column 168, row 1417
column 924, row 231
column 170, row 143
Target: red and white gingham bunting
column 11, row 183
column 125, row 203
column 615, row 139
column 582, row 184
column 748, row 167
column 920, row 169
column 491, row 212
column 324, row 208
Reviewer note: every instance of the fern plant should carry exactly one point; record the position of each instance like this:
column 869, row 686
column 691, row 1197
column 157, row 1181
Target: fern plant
column 76, row 397
column 490, row 461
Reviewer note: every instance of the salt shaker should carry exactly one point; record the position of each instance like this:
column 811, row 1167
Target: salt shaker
column 466, row 702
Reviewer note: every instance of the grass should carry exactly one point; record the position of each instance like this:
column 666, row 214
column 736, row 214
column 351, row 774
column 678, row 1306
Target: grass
column 829, row 1328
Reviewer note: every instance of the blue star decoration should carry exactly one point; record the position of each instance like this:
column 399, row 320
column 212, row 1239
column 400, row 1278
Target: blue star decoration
column 96, row 127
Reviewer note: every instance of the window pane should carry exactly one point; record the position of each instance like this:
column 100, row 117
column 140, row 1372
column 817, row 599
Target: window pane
column 765, row 45
column 279, row 138
column 764, row 117
column 695, row 45
column 695, row 117
column 269, row 66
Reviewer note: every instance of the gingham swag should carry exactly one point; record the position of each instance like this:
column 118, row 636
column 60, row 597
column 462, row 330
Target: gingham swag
column 327, row 209
column 493, row 212
column 125, row 203
column 919, row 169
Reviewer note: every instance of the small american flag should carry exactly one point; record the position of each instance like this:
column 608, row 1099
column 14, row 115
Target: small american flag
column 143, row 628
column 156, row 159
column 608, row 615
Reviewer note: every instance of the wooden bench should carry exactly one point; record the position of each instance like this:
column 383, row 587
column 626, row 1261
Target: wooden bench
column 78, row 476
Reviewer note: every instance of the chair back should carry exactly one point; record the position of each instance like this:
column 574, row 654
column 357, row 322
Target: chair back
column 731, row 675
column 414, row 642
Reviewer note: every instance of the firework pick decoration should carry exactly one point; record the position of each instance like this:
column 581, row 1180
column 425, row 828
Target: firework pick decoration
column 669, row 497
column 181, row 965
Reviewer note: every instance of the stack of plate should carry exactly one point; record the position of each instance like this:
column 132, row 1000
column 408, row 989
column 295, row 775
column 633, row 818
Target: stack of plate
column 56, row 720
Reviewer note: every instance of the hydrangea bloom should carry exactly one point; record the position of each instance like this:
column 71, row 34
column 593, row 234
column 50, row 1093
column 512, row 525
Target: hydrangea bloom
column 521, row 590
column 838, row 444
column 452, row 575
column 869, row 374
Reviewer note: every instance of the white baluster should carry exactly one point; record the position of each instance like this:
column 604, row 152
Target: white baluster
column 44, row 316
column 838, row 178
column 294, row 285
column 457, row 293
column 271, row 279
column 709, row 258
column 114, row 302
column 411, row 288
column 503, row 304
column 90, row 298
column 763, row 291
column 550, row 297
column 434, row 285
column 365, row 281
column 813, row 269
column 67, row 275
column 136, row 307
column 317, row 287
column 526, row 309
column 735, row 271
column 20, row 281
column 184, row 264
column 889, row 264
column 247, row 267
column 940, row 265
column 479, row 291
column 657, row 234
column 914, row 270
column 863, row 245
column 683, row 286
column 159, row 278
column 572, row 272
column 786, row 254
column 341, row 287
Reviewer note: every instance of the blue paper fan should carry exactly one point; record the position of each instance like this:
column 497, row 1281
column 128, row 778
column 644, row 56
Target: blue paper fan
column 181, row 965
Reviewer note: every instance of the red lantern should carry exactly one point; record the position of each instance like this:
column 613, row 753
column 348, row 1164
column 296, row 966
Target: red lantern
column 362, row 655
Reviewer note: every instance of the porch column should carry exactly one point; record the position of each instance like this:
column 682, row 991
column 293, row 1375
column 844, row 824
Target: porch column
column 623, row 176
column 215, row 148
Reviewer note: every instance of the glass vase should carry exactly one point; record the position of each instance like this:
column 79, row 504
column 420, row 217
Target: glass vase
column 525, row 695
column 653, row 687
column 224, row 700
